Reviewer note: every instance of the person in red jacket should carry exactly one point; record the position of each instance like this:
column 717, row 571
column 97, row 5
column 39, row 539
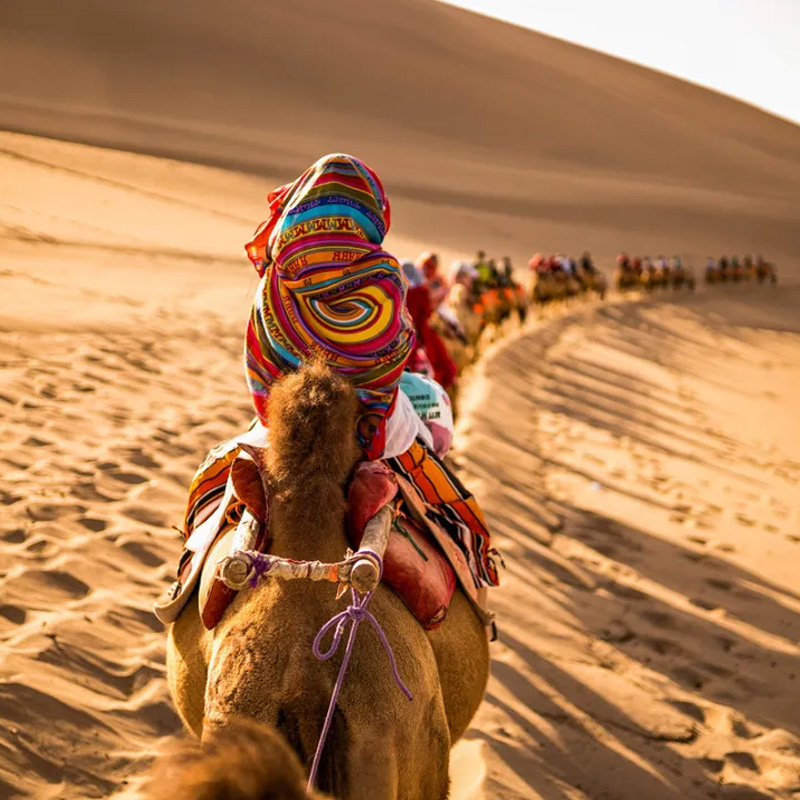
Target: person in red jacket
column 428, row 263
column 418, row 300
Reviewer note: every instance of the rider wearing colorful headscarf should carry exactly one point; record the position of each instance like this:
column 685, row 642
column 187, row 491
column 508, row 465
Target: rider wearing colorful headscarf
column 329, row 291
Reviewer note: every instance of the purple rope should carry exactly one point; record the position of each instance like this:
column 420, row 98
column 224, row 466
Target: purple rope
column 261, row 564
column 355, row 613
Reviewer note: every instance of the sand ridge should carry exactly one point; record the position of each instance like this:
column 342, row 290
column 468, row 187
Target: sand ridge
column 478, row 126
column 647, row 504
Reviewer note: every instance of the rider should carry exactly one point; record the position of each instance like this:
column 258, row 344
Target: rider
column 331, row 293
column 536, row 264
column 507, row 273
column 484, row 270
column 428, row 262
column 419, row 307
column 462, row 273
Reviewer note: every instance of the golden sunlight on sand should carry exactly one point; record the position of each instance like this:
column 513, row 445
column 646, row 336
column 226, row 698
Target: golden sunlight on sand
column 638, row 461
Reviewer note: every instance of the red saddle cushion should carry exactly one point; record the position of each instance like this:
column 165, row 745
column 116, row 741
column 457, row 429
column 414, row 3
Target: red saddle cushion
column 413, row 565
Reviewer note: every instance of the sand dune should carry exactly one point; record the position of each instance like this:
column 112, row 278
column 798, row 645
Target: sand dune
column 648, row 506
column 489, row 135
column 638, row 462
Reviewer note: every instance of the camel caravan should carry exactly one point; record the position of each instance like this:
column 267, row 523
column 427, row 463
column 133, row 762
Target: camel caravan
column 560, row 277
column 643, row 273
column 733, row 270
column 336, row 510
column 453, row 315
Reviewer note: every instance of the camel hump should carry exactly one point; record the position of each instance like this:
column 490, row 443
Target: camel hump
column 312, row 422
column 245, row 759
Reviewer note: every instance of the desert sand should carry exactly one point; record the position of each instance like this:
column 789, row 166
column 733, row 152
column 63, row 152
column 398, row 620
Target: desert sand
column 638, row 460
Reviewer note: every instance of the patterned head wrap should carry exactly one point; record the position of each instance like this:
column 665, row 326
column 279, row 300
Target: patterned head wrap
column 328, row 290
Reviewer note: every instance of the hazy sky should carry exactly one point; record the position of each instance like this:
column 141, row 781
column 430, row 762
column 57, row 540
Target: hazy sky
column 746, row 48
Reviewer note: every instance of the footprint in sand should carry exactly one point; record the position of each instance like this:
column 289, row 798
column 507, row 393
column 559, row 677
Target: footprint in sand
column 147, row 516
column 688, row 676
column 47, row 512
column 14, row 614
column 743, row 760
column 8, row 499
column 713, row 765
column 48, row 586
column 129, row 478
column 706, row 605
column 720, row 583
column 663, row 647
column 690, row 709
column 35, row 441
column 14, row 536
column 93, row 524
column 137, row 457
column 42, row 548
column 660, row 619
column 87, row 490
column 142, row 553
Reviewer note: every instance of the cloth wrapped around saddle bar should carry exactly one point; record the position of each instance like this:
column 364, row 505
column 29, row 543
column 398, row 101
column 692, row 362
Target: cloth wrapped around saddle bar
column 362, row 570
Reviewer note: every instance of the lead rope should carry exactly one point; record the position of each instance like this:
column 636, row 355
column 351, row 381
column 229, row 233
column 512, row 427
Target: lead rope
column 355, row 614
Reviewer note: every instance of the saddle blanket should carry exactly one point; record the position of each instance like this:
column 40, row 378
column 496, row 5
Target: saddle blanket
column 439, row 536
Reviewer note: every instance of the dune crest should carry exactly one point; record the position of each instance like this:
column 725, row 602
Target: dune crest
column 475, row 124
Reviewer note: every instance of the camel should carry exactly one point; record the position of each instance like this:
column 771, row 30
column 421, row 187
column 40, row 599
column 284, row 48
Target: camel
column 626, row 278
column 245, row 760
column 459, row 301
column 543, row 288
column 257, row 664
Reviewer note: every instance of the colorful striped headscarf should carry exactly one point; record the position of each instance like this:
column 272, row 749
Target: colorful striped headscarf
column 329, row 290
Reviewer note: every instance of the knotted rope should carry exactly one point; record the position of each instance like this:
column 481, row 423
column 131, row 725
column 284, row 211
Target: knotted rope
column 247, row 567
column 355, row 614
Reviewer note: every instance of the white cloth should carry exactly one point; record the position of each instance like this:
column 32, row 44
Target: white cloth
column 403, row 426
column 431, row 403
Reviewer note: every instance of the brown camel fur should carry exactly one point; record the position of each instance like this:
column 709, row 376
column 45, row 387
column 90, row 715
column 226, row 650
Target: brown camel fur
column 257, row 663
column 241, row 761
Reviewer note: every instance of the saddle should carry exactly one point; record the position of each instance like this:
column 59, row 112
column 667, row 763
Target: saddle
column 422, row 563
